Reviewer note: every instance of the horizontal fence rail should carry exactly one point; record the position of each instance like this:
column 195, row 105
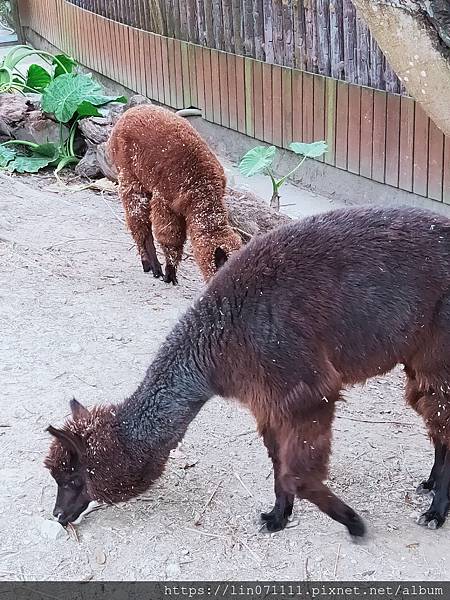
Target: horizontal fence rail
column 319, row 36
column 384, row 137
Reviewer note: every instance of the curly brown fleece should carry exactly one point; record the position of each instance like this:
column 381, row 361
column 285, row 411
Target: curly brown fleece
column 171, row 182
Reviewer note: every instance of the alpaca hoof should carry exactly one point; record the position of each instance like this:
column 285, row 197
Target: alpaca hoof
column 356, row 527
column 424, row 488
column 274, row 521
column 156, row 269
column 431, row 519
column 171, row 275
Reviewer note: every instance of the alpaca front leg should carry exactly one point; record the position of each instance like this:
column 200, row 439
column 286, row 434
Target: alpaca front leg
column 137, row 206
column 427, row 486
column 170, row 231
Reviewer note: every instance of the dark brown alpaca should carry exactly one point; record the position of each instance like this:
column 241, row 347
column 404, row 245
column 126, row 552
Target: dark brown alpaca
column 292, row 319
column 171, row 182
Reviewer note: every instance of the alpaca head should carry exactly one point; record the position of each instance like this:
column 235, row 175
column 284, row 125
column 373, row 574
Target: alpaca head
column 213, row 251
column 90, row 461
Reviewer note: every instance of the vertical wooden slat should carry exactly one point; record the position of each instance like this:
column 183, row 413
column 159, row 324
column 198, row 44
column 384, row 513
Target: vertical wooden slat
column 277, row 112
column 319, row 111
column 354, row 128
column 407, row 108
column 286, row 90
column 172, row 72
column 435, row 163
column 446, row 183
column 167, row 75
column 421, row 129
column 330, row 119
column 379, row 136
column 232, row 93
column 366, row 145
column 153, row 67
column 193, row 75
column 200, row 78
column 187, row 82
column 179, row 100
column 268, row 102
column 297, row 106
column 224, row 99
column 133, row 45
column 342, row 109
column 308, row 107
column 392, row 139
column 159, row 68
column 258, row 100
column 240, row 93
column 207, row 76
column 147, row 62
column 249, row 98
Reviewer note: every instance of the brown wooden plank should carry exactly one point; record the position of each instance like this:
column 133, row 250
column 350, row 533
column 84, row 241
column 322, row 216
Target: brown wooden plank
column 147, row 63
column 249, row 97
column 354, row 128
column 308, row 107
column 142, row 60
column 435, row 162
column 286, row 91
column 406, row 159
column 200, row 78
column 297, row 106
column 133, row 44
column 207, row 76
column 240, row 94
column 258, row 100
column 392, row 153
column 330, row 119
column 421, row 131
column 167, row 75
column 186, row 81
column 159, row 68
column 319, row 111
column 232, row 91
column 277, row 112
column 153, row 67
column 179, row 102
column 215, row 84
column 172, row 72
column 366, row 145
column 379, row 136
column 446, row 186
column 268, row 102
column 193, row 75
column 342, row 107
column 223, row 86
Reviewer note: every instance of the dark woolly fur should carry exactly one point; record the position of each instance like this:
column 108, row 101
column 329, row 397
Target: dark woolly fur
column 291, row 320
column 172, row 185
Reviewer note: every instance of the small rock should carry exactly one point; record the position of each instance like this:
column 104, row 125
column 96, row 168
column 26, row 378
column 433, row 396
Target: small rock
column 52, row 530
column 100, row 556
column 75, row 348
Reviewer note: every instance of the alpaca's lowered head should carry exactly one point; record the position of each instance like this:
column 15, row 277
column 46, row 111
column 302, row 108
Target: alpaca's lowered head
column 90, row 460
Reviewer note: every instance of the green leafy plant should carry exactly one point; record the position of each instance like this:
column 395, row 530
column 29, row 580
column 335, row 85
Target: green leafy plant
column 260, row 160
column 65, row 94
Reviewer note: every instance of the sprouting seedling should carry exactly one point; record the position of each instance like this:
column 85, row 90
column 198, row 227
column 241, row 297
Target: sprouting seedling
column 260, row 160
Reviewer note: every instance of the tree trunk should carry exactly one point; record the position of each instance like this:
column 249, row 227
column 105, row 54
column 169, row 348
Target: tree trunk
column 414, row 50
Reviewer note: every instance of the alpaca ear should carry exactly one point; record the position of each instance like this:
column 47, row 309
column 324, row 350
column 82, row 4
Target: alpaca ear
column 220, row 257
column 78, row 410
column 69, row 440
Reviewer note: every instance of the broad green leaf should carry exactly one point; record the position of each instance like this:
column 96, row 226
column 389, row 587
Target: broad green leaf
column 6, row 155
column 65, row 94
column 257, row 160
column 5, row 76
column 87, row 109
column 37, row 78
column 313, row 150
column 17, row 54
column 49, row 150
column 66, row 62
column 29, row 164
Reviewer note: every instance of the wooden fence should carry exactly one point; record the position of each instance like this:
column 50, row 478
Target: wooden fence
column 319, row 36
column 379, row 135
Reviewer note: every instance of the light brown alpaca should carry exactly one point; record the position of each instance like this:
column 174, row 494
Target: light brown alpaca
column 171, row 182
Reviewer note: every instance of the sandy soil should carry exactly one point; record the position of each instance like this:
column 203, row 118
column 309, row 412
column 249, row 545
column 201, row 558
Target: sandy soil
column 78, row 316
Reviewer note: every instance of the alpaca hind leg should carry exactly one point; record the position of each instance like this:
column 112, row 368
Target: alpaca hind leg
column 304, row 455
column 137, row 206
column 277, row 518
column 170, row 231
column 429, row 485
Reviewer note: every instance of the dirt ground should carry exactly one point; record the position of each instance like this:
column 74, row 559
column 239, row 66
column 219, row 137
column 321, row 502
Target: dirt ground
column 79, row 317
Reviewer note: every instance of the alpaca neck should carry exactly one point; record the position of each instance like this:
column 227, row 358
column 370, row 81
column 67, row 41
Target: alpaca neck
column 173, row 391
